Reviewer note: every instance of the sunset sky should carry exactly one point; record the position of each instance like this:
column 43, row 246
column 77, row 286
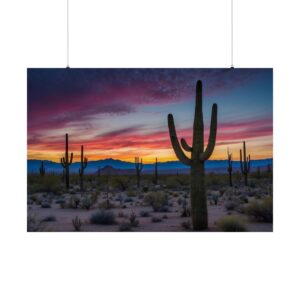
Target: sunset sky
column 122, row 113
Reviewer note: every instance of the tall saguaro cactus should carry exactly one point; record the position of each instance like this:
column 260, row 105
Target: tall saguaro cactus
column 198, row 158
column 139, row 168
column 66, row 162
column 155, row 172
column 245, row 163
column 83, row 165
column 229, row 169
column 42, row 169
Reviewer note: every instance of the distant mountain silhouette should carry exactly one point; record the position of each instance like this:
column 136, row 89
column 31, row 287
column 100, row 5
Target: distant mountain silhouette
column 122, row 167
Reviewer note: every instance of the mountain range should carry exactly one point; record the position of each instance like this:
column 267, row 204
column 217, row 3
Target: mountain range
column 119, row 166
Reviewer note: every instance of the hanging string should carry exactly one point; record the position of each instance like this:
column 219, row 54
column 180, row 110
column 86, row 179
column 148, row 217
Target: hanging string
column 68, row 33
column 232, row 34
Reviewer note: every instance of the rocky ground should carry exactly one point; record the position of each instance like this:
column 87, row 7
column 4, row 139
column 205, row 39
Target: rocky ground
column 163, row 207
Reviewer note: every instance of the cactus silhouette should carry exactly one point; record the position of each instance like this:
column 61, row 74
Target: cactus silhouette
column 83, row 164
column 155, row 172
column 198, row 158
column 66, row 162
column 139, row 168
column 42, row 169
column 229, row 169
column 245, row 163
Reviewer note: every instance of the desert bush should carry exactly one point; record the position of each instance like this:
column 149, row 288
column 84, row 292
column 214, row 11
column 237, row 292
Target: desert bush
column 60, row 201
column 156, row 219
column 106, row 205
column 145, row 189
column 133, row 220
column 127, row 200
column 125, row 226
column 103, row 217
column 144, row 214
column 231, row 224
column 158, row 201
column 121, row 182
column 231, row 205
column 76, row 223
column 186, row 225
column 45, row 204
column 49, row 219
column 131, row 193
column 33, row 224
column 261, row 211
column 88, row 201
column 122, row 215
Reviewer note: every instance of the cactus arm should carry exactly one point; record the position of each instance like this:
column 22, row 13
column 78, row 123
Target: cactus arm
column 248, row 163
column 71, row 158
column 85, row 162
column 141, row 165
column 212, row 135
column 175, row 144
column 185, row 145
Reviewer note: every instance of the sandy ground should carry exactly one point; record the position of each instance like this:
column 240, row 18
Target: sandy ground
column 170, row 221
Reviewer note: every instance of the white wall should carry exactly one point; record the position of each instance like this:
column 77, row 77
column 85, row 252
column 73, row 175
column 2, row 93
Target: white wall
column 157, row 33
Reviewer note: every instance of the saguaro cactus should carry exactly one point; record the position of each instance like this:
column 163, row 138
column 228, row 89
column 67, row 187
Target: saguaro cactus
column 66, row 162
column 198, row 158
column 42, row 169
column 155, row 172
column 229, row 169
column 139, row 168
column 83, row 164
column 245, row 163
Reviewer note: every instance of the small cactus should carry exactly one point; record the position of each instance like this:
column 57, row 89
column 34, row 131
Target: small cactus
column 83, row 165
column 155, row 172
column 198, row 157
column 229, row 169
column 42, row 169
column 139, row 168
column 245, row 163
column 76, row 223
column 66, row 162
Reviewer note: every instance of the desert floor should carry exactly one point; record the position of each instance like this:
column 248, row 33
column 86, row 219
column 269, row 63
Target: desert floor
column 51, row 208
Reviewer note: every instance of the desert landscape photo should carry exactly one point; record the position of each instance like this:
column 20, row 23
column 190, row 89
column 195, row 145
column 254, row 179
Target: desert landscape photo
column 149, row 150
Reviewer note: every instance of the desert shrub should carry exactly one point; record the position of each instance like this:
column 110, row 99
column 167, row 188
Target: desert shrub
column 88, row 201
column 33, row 224
column 144, row 214
column 106, row 205
column 186, row 225
column 60, row 201
column 131, row 193
column 49, row 219
column 73, row 202
column 133, row 220
column 231, row 205
column 125, row 226
column 122, row 215
column 261, row 211
column 156, row 219
column 103, row 217
column 243, row 199
column 45, row 204
column 165, row 217
column 127, row 200
column 76, row 223
column 121, row 182
column 158, row 201
column 33, row 198
column 145, row 189
column 231, row 224
column 177, row 181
